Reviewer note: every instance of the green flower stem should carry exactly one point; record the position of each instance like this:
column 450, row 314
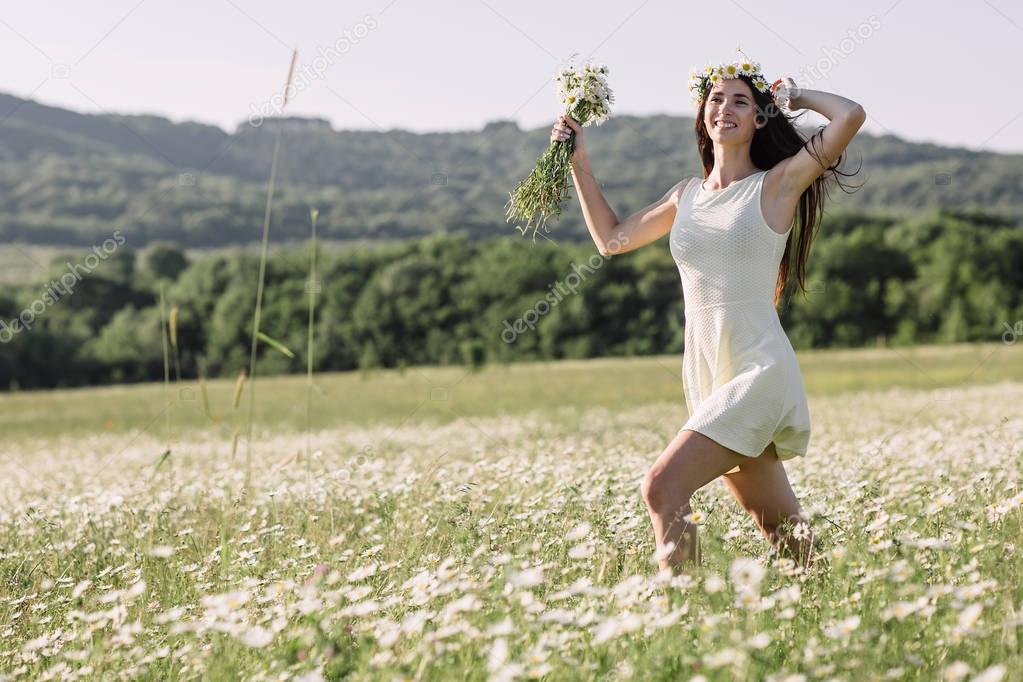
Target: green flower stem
column 539, row 196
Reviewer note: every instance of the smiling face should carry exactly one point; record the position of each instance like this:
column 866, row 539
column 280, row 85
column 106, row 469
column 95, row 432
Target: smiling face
column 730, row 113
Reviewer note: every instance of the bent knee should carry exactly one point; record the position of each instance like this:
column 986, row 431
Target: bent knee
column 658, row 490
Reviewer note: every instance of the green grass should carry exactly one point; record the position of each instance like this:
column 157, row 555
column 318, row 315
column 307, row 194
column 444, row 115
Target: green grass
column 438, row 524
column 450, row 521
column 441, row 394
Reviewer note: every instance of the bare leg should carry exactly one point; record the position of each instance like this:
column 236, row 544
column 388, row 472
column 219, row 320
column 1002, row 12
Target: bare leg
column 690, row 462
column 762, row 488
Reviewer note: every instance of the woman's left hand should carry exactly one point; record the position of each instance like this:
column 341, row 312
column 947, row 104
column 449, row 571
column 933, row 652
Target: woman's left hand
column 786, row 93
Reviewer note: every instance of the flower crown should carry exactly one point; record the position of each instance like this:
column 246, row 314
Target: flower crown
column 701, row 82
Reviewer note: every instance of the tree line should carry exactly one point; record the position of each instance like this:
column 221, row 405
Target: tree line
column 946, row 276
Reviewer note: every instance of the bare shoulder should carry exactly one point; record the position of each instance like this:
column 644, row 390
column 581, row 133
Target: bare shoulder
column 673, row 195
column 651, row 222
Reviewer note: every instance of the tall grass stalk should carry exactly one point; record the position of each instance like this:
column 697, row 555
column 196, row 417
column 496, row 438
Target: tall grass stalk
column 262, row 273
column 166, row 367
column 239, row 384
column 174, row 341
column 313, row 286
column 205, row 395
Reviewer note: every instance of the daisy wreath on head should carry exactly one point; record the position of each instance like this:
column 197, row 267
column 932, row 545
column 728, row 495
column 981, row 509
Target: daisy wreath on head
column 700, row 82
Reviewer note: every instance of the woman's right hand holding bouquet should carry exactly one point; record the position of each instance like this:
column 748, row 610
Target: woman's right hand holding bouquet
column 565, row 127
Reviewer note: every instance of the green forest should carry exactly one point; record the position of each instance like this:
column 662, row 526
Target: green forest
column 945, row 276
column 415, row 263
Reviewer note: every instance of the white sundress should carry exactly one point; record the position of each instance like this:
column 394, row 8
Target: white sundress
column 742, row 382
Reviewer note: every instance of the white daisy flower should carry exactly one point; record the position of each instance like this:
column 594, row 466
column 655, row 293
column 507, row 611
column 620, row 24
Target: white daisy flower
column 257, row 637
column 746, row 572
column 579, row 532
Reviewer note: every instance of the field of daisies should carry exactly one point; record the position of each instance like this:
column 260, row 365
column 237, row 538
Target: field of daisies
column 510, row 546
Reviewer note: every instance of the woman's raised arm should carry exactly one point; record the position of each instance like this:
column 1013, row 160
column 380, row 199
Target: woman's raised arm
column 609, row 234
column 845, row 117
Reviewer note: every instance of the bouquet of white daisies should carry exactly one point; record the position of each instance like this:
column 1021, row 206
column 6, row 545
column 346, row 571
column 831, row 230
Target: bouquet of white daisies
column 587, row 99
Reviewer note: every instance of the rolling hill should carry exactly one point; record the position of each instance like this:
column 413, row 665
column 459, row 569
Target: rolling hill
column 68, row 178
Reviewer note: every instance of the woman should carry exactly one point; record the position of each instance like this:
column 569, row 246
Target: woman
column 731, row 236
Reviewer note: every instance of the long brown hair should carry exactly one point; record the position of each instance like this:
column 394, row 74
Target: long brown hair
column 776, row 141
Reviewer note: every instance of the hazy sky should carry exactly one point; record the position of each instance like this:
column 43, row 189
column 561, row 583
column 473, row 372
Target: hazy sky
column 927, row 71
